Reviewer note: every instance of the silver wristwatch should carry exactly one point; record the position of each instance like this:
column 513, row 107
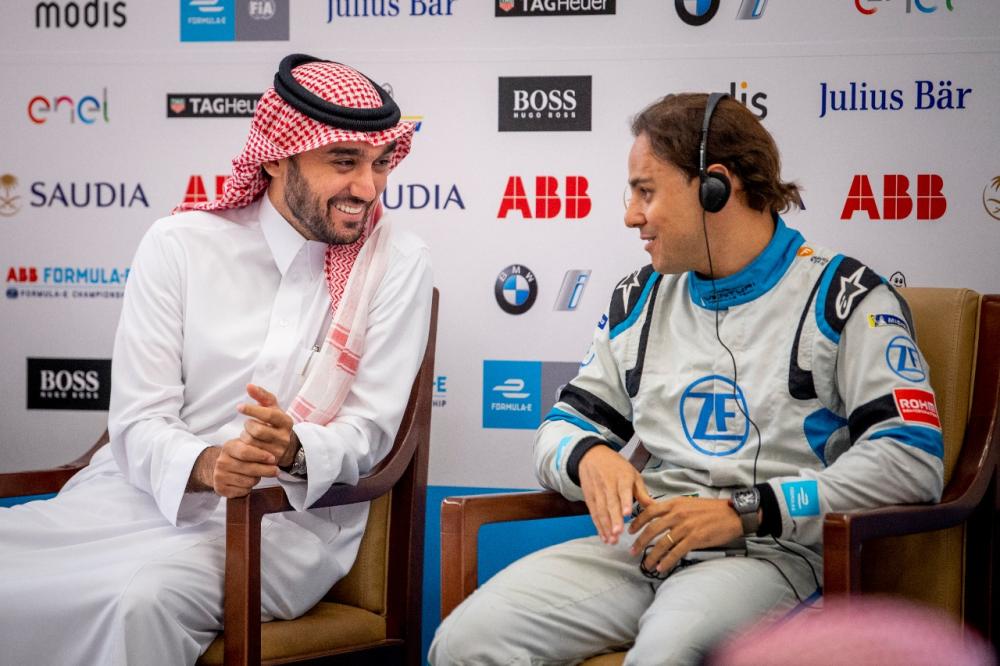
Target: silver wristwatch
column 298, row 466
column 746, row 502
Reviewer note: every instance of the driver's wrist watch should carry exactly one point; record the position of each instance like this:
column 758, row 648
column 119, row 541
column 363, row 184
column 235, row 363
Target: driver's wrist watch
column 298, row 466
column 746, row 504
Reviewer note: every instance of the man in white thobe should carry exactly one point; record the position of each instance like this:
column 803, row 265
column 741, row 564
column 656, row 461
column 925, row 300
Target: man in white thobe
column 217, row 387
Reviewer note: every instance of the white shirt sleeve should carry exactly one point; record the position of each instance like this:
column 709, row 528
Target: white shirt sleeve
column 363, row 431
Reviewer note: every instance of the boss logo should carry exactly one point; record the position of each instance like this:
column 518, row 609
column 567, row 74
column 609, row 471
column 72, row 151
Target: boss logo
column 544, row 104
column 69, row 383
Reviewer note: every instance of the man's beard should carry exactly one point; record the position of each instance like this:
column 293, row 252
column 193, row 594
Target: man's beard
column 306, row 207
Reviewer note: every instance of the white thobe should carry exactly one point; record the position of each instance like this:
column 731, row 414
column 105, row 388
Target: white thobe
column 123, row 566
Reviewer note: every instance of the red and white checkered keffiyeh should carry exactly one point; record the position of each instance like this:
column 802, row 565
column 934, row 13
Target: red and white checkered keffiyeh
column 353, row 271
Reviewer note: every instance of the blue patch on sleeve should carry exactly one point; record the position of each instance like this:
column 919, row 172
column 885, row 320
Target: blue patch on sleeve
column 925, row 439
column 560, row 415
column 801, row 497
column 559, row 450
column 818, row 428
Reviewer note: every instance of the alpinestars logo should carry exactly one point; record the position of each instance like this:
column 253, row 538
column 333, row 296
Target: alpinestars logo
column 506, row 8
column 700, row 12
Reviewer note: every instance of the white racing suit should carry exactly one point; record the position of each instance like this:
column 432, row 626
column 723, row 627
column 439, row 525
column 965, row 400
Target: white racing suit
column 830, row 376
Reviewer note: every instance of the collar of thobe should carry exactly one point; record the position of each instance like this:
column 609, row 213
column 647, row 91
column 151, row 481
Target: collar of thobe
column 286, row 243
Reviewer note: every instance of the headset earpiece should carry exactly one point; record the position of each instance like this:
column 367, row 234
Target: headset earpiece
column 714, row 192
column 715, row 187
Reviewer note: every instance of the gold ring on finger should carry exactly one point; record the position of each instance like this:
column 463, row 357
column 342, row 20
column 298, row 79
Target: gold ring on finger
column 672, row 542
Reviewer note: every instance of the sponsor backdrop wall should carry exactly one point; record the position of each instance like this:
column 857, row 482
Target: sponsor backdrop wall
column 114, row 111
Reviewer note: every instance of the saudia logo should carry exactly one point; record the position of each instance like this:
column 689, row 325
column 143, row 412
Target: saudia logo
column 869, row 7
column 548, row 203
column 83, row 195
column 897, row 204
column 386, row 8
column 700, row 12
column 712, row 414
column 415, row 196
column 859, row 96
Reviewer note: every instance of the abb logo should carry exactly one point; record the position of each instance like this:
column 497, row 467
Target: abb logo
column 897, row 203
column 548, row 203
column 196, row 193
column 22, row 274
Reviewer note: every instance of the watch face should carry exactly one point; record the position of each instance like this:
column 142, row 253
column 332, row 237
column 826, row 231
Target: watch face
column 745, row 501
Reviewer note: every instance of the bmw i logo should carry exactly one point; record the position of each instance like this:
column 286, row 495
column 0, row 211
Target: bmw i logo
column 515, row 289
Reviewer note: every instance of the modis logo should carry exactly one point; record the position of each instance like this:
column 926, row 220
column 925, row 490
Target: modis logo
column 700, row 12
column 10, row 201
column 553, row 7
column 544, row 104
column 991, row 198
column 86, row 194
column 196, row 193
column 415, row 196
column 752, row 100
column 93, row 14
column 859, row 96
column 897, row 204
column 548, row 203
column 869, row 7
column 386, row 8
column 86, row 109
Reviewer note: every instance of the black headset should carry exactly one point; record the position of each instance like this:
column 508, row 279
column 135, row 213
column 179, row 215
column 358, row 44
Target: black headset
column 715, row 187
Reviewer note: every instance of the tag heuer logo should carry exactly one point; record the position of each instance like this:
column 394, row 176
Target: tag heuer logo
column 177, row 105
column 507, row 8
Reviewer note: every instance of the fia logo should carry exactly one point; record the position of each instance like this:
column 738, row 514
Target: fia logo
column 715, row 406
column 902, row 357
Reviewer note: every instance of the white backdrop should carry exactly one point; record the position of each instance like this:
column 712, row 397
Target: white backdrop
column 445, row 69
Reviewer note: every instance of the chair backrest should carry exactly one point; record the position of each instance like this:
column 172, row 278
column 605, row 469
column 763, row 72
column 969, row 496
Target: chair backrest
column 929, row 567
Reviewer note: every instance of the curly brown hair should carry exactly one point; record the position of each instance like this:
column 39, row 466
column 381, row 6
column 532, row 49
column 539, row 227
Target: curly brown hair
column 736, row 139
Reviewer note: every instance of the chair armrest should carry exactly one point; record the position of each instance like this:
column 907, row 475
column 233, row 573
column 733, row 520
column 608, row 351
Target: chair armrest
column 44, row 481
column 461, row 518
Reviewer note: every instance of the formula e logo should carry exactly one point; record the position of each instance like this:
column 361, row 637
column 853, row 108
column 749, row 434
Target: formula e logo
column 700, row 12
column 715, row 405
column 515, row 289
column 902, row 357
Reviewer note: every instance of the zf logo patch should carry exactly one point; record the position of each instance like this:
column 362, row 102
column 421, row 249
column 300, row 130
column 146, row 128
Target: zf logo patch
column 715, row 406
column 902, row 357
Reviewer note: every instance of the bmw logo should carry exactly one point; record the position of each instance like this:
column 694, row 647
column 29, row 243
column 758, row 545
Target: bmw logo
column 696, row 12
column 515, row 289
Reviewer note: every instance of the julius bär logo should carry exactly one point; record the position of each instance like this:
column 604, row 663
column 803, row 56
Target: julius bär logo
column 211, row 105
column 991, row 198
column 544, row 104
column 416, row 196
column 897, row 204
column 548, row 203
column 92, row 14
column 515, row 289
column 869, row 7
column 196, row 193
column 86, row 109
column 700, row 12
column 10, row 201
column 69, row 383
column 386, row 8
column 553, row 7
column 942, row 95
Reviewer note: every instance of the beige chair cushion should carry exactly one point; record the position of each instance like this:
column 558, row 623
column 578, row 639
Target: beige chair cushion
column 310, row 633
column 929, row 567
column 364, row 585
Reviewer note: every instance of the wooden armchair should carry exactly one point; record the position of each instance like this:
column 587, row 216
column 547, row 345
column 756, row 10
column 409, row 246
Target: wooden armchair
column 948, row 559
column 370, row 616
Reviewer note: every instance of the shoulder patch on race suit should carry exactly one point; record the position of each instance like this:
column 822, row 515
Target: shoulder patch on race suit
column 903, row 358
column 801, row 497
column 879, row 319
column 917, row 406
column 843, row 286
column 628, row 297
